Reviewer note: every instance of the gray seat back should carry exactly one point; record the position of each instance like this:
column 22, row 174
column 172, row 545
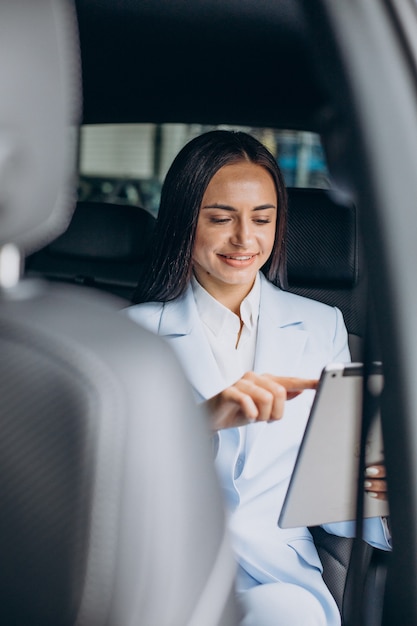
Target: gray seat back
column 110, row 509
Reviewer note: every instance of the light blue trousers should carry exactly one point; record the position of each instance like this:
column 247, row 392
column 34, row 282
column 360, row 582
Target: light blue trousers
column 282, row 604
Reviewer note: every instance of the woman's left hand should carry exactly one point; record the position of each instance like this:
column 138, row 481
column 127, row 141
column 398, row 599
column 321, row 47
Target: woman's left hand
column 375, row 482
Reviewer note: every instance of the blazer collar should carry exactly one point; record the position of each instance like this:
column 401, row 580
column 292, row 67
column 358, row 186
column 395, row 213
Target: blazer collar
column 179, row 316
column 181, row 325
column 276, row 305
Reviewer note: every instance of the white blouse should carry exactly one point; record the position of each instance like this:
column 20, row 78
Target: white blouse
column 222, row 328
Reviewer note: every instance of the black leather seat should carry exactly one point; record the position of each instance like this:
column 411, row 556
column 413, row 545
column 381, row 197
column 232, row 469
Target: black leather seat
column 110, row 509
column 325, row 260
column 105, row 246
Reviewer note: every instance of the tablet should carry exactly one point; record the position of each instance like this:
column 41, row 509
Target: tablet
column 323, row 485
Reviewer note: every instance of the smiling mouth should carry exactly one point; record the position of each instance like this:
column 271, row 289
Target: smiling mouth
column 242, row 257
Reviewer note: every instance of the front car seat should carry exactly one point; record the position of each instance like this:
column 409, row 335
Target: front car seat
column 110, row 509
column 105, row 246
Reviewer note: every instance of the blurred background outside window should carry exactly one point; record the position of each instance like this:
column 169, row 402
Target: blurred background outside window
column 127, row 163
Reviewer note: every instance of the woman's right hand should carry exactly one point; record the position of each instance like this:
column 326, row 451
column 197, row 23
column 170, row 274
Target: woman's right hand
column 254, row 398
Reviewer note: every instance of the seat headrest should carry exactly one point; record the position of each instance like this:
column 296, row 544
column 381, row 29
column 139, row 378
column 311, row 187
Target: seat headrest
column 39, row 105
column 99, row 230
column 322, row 241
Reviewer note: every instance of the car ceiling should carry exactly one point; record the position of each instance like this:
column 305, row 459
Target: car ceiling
column 208, row 61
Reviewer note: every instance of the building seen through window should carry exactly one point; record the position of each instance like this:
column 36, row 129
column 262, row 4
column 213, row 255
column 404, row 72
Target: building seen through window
column 127, row 163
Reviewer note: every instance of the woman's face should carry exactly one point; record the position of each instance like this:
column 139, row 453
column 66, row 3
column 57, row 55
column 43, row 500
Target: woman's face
column 235, row 229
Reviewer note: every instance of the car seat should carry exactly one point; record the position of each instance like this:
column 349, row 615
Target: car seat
column 105, row 246
column 110, row 509
column 325, row 260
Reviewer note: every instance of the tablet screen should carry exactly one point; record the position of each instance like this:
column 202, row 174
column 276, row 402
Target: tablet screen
column 323, row 486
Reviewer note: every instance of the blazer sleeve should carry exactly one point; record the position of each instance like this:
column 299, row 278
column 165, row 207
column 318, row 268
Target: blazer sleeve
column 375, row 531
column 147, row 315
column 341, row 352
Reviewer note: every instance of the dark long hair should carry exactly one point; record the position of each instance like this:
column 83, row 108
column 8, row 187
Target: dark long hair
column 170, row 265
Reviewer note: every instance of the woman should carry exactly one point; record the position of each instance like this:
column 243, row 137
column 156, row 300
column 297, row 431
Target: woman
column 218, row 254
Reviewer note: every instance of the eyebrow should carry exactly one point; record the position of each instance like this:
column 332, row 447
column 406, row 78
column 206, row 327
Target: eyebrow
column 226, row 207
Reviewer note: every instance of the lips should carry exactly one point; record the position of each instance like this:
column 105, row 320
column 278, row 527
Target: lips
column 238, row 260
column 238, row 257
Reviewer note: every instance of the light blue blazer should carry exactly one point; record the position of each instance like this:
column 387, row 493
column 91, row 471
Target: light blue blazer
column 296, row 337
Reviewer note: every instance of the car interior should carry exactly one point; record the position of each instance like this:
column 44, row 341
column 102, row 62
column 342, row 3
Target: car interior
column 293, row 66
column 105, row 247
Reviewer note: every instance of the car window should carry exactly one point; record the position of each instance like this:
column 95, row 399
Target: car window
column 127, row 163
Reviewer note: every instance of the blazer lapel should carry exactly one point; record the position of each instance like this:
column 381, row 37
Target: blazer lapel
column 181, row 326
column 281, row 339
column 281, row 344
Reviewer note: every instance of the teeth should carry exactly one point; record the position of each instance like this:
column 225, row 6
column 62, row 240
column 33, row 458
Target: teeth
column 239, row 258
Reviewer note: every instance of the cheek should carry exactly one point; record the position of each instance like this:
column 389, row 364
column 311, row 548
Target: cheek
column 268, row 240
column 206, row 241
column 202, row 245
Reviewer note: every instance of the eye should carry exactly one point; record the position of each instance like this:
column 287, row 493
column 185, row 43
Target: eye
column 219, row 220
column 262, row 220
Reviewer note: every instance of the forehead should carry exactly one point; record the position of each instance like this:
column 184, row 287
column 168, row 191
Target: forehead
column 243, row 176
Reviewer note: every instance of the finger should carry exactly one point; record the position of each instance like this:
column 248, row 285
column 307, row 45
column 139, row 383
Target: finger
column 377, row 495
column 279, row 396
column 294, row 385
column 271, row 404
column 230, row 408
column 263, row 397
column 237, row 402
column 291, row 383
column 376, row 489
column 293, row 394
column 250, row 399
column 378, row 486
column 376, row 471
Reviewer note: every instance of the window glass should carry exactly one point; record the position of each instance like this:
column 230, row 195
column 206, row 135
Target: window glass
column 127, row 163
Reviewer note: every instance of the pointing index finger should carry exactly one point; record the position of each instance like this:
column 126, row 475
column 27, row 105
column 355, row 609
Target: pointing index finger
column 295, row 386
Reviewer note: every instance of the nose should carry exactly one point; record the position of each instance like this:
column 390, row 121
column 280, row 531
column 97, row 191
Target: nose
column 242, row 235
